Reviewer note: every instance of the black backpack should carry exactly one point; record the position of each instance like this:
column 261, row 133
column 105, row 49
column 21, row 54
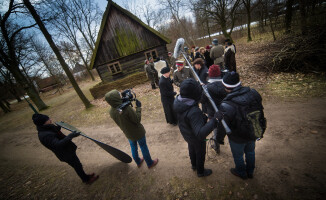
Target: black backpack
column 250, row 122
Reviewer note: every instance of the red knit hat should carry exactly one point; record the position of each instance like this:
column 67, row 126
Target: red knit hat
column 208, row 47
column 214, row 71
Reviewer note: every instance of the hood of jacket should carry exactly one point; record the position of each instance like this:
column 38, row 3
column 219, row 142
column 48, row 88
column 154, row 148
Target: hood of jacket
column 113, row 98
column 180, row 104
column 240, row 95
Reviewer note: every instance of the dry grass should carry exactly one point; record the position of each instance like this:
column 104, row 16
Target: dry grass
column 69, row 108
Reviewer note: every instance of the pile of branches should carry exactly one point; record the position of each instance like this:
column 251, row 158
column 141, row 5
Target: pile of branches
column 299, row 53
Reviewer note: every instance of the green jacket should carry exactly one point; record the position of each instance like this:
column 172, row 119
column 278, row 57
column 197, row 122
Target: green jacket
column 128, row 120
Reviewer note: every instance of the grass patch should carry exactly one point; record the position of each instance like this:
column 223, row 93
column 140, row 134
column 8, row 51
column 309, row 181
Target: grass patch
column 298, row 85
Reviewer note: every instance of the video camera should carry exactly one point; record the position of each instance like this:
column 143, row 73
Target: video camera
column 127, row 97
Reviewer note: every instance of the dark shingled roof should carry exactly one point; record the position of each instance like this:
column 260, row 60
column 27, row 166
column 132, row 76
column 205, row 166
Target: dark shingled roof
column 126, row 12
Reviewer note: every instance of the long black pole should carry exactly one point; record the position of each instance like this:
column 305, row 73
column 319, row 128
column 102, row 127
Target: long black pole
column 30, row 105
column 226, row 127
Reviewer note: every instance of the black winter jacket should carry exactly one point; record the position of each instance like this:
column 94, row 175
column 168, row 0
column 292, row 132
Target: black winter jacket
column 241, row 96
column 166, row 89
column 202, row 73
column 208, row 60
column 192, row 121
column 52, row 138
column 218, row 93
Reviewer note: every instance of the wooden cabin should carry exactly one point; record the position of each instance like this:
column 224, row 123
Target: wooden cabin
column 123, row 43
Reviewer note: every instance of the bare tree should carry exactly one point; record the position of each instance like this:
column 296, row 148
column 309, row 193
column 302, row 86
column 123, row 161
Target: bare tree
column 303, row 16
column 64, row 65
column 288, row 15
column 8, row 82
column 223, row 12
column 249, row 7
column 44, row 56
column 77, row 21
column 12, row 41
column 174, row 10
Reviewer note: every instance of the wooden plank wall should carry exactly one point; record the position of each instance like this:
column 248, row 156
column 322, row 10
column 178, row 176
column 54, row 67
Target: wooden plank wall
column 129, row 64
column 123, row 36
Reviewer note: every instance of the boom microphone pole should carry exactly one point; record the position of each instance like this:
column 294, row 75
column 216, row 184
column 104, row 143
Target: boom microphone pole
column 177, row 51
column 30, row 105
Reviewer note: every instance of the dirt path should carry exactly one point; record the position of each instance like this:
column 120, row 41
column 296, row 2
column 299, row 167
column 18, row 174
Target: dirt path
column 290, row 163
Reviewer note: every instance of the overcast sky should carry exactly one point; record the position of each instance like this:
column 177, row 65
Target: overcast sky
column 156, row 5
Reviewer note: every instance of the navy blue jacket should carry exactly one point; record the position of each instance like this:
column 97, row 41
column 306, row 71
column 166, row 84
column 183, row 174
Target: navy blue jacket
column 241, row 96
column 192, row 121
column 52, row 138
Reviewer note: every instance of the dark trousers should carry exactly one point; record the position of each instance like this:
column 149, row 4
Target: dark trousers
column 197, row 151
column 75, row 163
column 238, row 150
column 170, row 115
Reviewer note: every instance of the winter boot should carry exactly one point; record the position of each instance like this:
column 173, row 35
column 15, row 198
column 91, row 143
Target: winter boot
column 206, row 172
column 153, row 86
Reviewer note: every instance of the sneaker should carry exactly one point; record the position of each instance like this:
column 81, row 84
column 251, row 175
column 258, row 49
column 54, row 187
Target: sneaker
column 207, row 172
column 235, row 173
column 194, row 168
column 154, row 163
column 92, row 179
column 141, row 162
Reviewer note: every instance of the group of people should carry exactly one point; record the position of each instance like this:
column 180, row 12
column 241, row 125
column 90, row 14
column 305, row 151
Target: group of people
column 228, row 94
column 195, row 124
column 216, row 54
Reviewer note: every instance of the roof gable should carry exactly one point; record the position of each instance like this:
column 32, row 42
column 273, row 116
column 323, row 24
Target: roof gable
column 122, row 34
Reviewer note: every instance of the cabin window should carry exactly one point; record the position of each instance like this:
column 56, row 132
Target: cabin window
column 152, row 53
column 114, row 68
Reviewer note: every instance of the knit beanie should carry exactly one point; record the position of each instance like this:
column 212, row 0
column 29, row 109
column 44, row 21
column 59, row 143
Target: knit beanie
column 231, row 80
column 215, row 42
column 214, row 71
column 39, row 119
column 191, row 89
column 165, row 70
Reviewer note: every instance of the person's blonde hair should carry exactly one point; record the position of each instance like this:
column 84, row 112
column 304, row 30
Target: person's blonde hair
column 201, row 48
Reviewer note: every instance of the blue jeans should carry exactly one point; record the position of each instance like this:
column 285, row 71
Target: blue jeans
column 238, row 150
column 144, row 150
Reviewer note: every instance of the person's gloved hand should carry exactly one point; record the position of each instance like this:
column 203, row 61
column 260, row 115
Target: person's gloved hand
column 74, row 134
column 218, row 115
column 138, row 103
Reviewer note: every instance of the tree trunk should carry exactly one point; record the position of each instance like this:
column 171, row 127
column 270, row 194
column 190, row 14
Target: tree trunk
column 247, row 4
column 55, row 49
column 288, row 16
column 30, row 90
column 272, row 28
column 224, row 30
column 10, row 86
column 84, row 60
column 302, row 6
column 248, row 26
column 14, row 93
column 4, row 107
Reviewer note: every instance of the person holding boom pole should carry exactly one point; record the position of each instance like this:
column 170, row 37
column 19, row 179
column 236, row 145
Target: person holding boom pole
column 61, row 145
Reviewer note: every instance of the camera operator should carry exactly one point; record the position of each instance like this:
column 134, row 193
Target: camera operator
column 129, row 122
